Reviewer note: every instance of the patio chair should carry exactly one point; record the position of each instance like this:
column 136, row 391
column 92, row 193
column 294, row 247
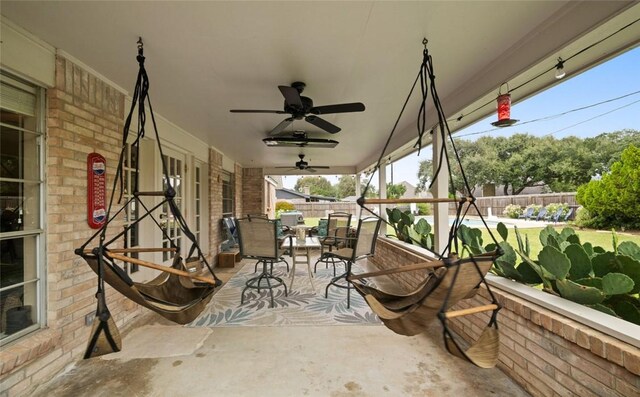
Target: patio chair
column 447, row 282
column 541, row 214
column 337, row 230
column 569, row 215
column 555, row 218
column 359, row 247
column 259, row 240
column 527, row 214
column 283, row 232
column 320, row 231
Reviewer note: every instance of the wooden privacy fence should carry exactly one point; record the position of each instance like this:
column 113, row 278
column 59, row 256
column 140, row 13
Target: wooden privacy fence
column 322, row 210
column 498, row 203
column 495, row 203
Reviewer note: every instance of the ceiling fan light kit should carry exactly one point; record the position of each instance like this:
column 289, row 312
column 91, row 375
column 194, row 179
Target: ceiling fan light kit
column 293, row 141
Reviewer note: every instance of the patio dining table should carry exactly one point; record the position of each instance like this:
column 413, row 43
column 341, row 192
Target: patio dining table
column 301, row 248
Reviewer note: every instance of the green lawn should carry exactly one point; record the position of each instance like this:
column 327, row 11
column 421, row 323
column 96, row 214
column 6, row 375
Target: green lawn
column 595, row 237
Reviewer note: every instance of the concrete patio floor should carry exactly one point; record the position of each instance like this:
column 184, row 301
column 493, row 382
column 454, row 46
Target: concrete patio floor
column 160, row 358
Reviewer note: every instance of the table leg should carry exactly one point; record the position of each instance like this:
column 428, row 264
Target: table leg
column 293, row 267
column 313, row 287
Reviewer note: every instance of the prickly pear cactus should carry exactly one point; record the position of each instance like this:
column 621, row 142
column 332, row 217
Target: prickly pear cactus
column 410, row 231
column 608, row 281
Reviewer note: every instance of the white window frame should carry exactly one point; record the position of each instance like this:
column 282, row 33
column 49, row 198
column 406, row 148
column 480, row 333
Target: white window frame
column 38, row 233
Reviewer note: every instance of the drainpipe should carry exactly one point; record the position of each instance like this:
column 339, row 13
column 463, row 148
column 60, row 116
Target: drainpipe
column 440, row 189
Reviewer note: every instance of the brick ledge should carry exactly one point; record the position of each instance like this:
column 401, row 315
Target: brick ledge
column 27, row 349
column 611, row 326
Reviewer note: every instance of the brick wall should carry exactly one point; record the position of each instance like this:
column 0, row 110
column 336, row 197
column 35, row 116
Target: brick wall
column 84, row 115
column 546, row 353
column 252, row 191
column 216, row 234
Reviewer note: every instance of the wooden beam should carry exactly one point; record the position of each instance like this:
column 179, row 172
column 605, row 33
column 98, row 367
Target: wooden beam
column 159, row 267
column 127, row 250
column 472, row 310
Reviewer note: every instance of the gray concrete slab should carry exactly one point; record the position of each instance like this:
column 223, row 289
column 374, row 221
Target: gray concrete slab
column 277, row 361
column 160, row 358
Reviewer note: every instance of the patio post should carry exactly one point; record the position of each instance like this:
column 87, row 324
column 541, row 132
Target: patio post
column 382, row 182
column 440, row 190
column 358, row 193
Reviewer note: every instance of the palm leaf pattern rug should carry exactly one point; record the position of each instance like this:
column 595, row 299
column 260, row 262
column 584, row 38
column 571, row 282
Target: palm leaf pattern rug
column 302, row 307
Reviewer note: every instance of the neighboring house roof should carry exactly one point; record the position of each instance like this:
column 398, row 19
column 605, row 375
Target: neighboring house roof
column 285, row 194
column 410, row 190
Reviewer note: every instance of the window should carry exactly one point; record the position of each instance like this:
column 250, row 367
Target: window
column 130, row 173
column 21, row 203
column 227, row 194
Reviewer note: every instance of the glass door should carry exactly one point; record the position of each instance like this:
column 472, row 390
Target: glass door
column 175, row 163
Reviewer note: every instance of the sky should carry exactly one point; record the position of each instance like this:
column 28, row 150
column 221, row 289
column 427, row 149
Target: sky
column 615, row 78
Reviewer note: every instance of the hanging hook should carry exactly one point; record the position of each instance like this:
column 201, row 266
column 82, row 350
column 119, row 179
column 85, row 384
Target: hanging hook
column 140, row 45
column 500, row 89
column 425, row 42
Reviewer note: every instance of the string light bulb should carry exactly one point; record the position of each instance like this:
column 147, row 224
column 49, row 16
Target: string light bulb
column 560, row 73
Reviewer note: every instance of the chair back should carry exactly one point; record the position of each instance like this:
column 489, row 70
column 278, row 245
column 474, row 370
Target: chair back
column 257, row 216
column 366, row 237
column 258, row 238
column 229, row 223
column 338, row 223
column 323, row 227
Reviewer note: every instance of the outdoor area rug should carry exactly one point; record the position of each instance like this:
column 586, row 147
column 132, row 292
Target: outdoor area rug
column 302, row 307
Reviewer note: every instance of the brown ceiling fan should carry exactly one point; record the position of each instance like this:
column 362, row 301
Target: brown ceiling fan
column 301, row 107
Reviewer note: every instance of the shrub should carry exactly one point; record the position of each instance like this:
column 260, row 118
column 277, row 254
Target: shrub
column 512, row 211
column 284, row 206
column 613, row 200
column 583, row 218
column 424, row 209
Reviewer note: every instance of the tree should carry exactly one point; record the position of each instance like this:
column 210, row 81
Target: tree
column 318, row 185
column 607, row 148
column 395, row 190
column 613, row 200
column 346, row 187
column 425, row 171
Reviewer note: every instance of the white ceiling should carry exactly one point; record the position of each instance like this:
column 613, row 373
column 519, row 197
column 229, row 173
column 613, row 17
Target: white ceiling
column 204, row 58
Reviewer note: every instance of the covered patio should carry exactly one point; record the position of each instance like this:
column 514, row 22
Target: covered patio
column 78, row 61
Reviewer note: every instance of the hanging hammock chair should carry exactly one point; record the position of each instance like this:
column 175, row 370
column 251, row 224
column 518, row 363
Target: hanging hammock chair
column 180, row 292
column 447, row 280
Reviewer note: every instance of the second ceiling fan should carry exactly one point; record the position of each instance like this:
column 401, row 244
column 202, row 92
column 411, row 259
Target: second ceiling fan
column 301, row 107
column 304, row 166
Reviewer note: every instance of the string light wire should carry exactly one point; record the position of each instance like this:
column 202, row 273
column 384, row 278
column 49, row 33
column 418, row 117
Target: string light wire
column 561, row 114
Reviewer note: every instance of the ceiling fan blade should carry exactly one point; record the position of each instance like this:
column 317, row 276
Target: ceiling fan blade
column 338, row 108
column 324, row 124
column 257, row 111
column 291, row 95
column 321, row 167
column 281, row 127
column 310, row 169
